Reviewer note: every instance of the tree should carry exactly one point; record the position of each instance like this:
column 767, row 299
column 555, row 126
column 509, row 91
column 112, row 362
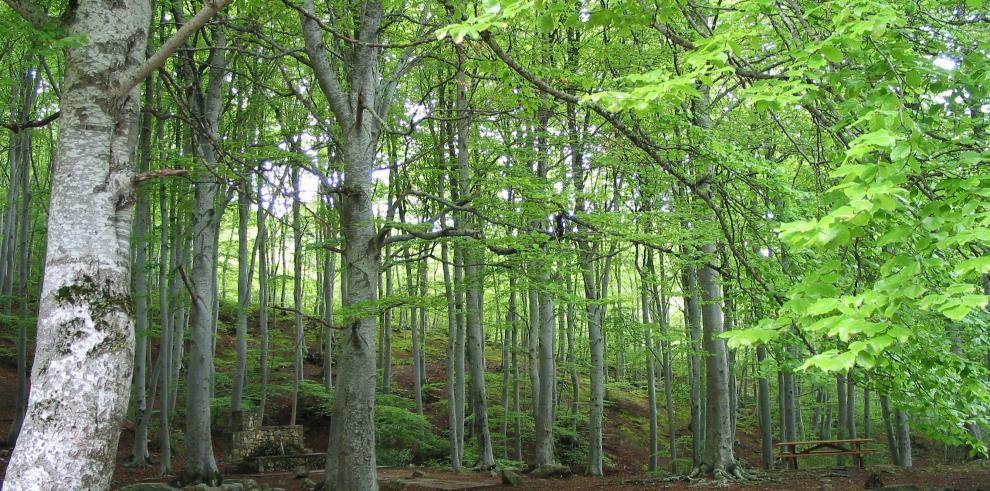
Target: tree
column 85, row 322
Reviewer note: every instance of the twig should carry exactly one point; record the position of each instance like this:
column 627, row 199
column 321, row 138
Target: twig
column 189, row 285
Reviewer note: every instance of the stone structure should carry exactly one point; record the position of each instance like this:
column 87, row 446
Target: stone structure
column 266, row 448
column 284, row 463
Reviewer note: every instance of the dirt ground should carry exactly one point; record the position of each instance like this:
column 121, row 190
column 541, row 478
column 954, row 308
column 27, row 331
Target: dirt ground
column 972, row 476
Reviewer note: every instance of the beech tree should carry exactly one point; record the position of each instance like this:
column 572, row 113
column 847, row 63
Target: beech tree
column 85, row 320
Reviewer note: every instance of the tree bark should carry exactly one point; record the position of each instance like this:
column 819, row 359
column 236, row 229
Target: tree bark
column 766, row 422
column 201, row 464
column 452, row 395
column 85, row 326
column 140, row 456
column 243, row 293
column 888, row 423
column 693, row 319
column 651, row 378
column 263, row 294
column 903, row 438
column 297, row 300
column 20, row 165
column 165, row 357
column 718, row 455
column 351, row 450
column 548, row 377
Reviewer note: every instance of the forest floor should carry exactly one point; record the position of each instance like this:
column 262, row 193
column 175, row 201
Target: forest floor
column 972, row 476
column 626, row 432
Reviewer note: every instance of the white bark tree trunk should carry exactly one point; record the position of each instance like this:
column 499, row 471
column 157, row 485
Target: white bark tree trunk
column 85, row 347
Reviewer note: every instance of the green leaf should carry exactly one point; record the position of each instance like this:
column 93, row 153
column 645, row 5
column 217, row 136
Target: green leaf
column 832, row 53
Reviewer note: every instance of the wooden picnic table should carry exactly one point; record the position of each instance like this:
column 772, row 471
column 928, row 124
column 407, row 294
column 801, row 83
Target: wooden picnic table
column 819, row 448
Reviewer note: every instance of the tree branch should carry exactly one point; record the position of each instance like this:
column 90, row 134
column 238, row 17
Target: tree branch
column 18, row 127
column 326, row 76
column 31, row 13
column 130, row 80
column 144, row 176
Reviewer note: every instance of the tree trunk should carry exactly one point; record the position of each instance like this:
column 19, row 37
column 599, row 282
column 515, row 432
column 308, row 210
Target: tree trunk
column 201, row 465
column 903, row 438
column 651, row 378
column 452, row 395
column 140, row 456
column 572, row 357
column 766, row 422
column 263, row 294
column 414, row 330
column 718, row 455
column 693, row 318
column 867, row 413
column 20, row 164
column 243, row 293
column 474, row 278
column 329, row 280
column 850, row 406
column 297, row 300
column 510, row 325
column 165, row 357
column 387, row 334
column 533, row 345
column 888, row 423
column 356, row 106
column 85, row 327
column 547, row 368
column 840, row 392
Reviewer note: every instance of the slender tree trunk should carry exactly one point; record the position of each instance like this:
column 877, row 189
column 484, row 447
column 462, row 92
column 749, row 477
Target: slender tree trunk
column 888, row 423
column 180, row 246
column 452, row 368
column 510, row 325
column 766, row 422
column 414, row 330
column 516, row 394
column 547, row 368
column 850, row 406
column 20, row 166
column 668, row 376
column 140, row 456
column 243, row 293
column 572, row 357
column 165, row 357
column 533, row 345
column 903, row 438
column 474, row 278
column 297, row 300
column 459, row 347
column 867, row 412
column 840, row 393
column 651, row 378
column 693, row 318
column 263, row 294
column 329, row 279
column 387, row 334
column 423, row 293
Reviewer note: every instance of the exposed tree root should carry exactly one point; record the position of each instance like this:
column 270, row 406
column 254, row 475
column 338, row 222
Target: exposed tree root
column 139, row 462
column 706, row 475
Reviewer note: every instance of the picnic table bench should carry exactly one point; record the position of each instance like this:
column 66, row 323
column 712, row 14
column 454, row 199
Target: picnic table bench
column 819, row 448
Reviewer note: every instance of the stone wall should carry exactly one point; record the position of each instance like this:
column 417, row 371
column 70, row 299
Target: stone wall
column 252, row 439
column 285, row 463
